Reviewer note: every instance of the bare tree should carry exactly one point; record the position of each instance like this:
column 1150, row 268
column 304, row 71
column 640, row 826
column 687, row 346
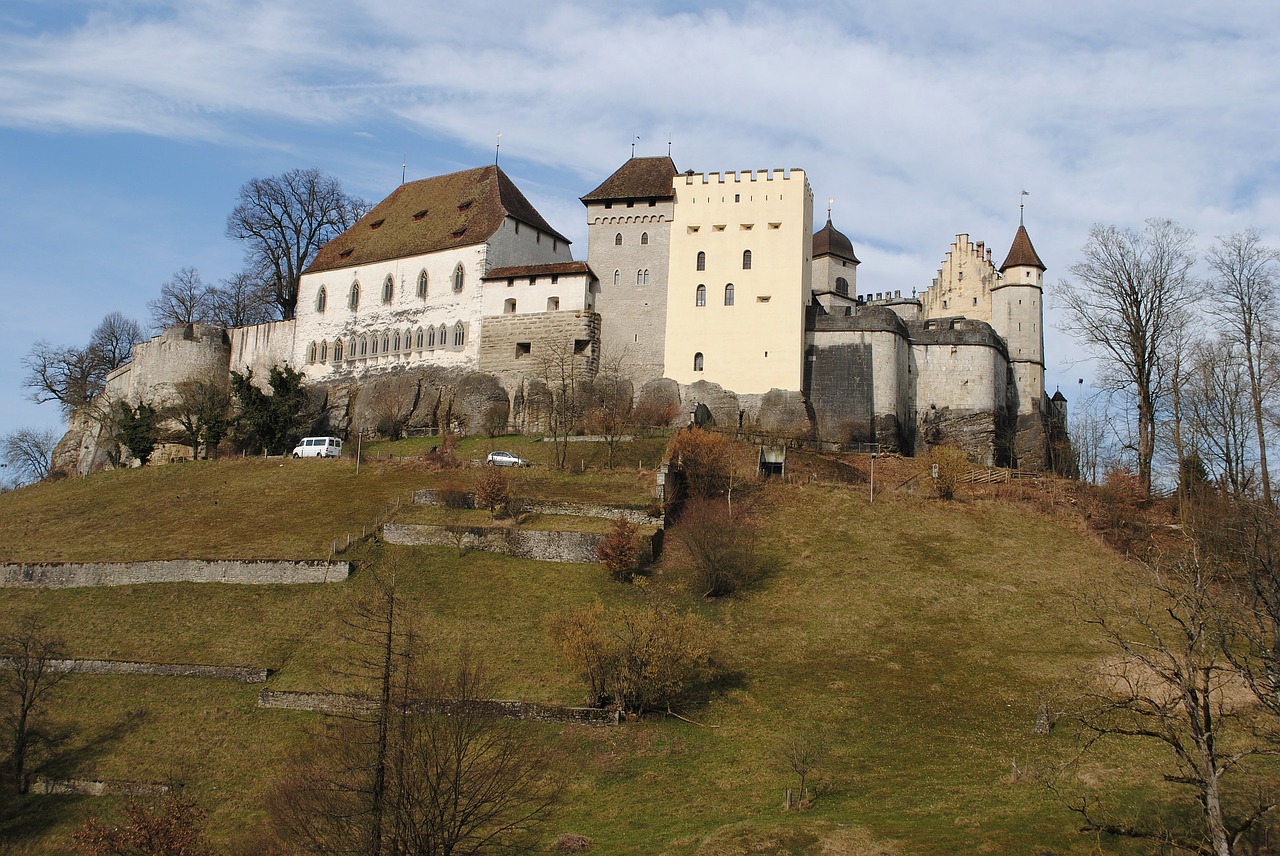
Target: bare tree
column 1089, row 436
column 29, row 451
column 184, row 299
column 610, row 410
column 1222, row 424
column 201, row 409
column 802, row 751
column 563, row 369
column 243, row 300
column 27, row 684
column 1127, row 298
column 71, row 375
column 1244, row 303
column 285, row 220
column 1168, row 683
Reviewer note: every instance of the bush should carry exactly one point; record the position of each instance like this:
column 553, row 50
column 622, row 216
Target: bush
column 706, row 460
column 493, row 489
column 721, row 545
column 951, row 465
column 623, row 550
column 453, row 495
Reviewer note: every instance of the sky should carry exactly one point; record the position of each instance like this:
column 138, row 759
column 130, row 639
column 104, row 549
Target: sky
column 128, row 126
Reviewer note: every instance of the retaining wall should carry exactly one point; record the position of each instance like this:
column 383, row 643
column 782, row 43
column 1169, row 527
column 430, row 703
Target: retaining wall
column 572, row 509
column 88, row 788
column 243, row 674
column 546, row 546
column 247, row 572
column 489, row 708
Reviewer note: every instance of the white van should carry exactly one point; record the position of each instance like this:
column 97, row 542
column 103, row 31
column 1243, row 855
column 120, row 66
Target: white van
column 318, row 447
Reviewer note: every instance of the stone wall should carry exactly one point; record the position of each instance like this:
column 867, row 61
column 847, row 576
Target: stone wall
column 520, row 346
column 245, row 572
column 522, row 543
column 335, row 703
column 572, row 509
column 243, row 674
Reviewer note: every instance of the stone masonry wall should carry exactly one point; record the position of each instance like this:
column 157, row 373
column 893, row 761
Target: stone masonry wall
column 573, row 509
column 246, row 572
column 243, row 674
column 523, row 543
column 502, row 351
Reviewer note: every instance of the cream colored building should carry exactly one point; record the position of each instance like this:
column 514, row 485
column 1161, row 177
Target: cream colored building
column 738, row 279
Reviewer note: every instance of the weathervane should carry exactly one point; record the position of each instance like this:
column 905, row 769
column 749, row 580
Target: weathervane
column 404, row 168
column 633, row 145
column 830, row 201
column 668, row 144
column 1021, row 205
column 497, row 149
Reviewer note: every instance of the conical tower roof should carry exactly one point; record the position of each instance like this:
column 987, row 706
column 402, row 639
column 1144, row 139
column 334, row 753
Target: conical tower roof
column 830, row 241
column 1022, row 254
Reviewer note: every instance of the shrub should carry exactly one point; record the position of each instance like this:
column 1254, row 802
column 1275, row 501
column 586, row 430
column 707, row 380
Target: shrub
column 705, row 458
column 721, row 545
column 948, row 466
column 623, row 550
column 569, row 842
column 452, row 495
column 493, row 489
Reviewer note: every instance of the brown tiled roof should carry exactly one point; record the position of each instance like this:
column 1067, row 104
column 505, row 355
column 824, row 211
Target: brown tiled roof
column 456, row 210
column 539, row 270
column 830, row 241
column 1022, row 254
column 638, row 178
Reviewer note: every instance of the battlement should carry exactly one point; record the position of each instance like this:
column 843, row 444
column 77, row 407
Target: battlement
column 738, row 177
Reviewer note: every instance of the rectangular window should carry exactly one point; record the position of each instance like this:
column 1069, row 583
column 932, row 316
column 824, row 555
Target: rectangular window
column 523, row 349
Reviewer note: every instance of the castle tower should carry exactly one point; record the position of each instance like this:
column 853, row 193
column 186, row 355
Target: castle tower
column 835, row 267
column 628, row 244
column 1017, row 314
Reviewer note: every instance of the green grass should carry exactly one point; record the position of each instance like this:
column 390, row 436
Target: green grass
column 915, row 636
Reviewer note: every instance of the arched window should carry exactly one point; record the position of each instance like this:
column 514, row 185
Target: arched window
column 700, row 296
column 644, row 238
column 459, row 276
column 510, row 306
column 646, row 276
column 746, row 260
column 408, row 340
column 337, row 351
column 321, row 299
column 617, row 277
column 324, row 352
column 617, row 240
column 697, row 361
column 442, row 336
column 364, row 346
column 396, row 343
column 388, row 289
column 639, row 277
column 311, row 353
column 842, row 286
column 728, row 295
column 459, row 335
column 702, row 260
column 422, row 284
column 431, row 337
column 373, row 344
column 553, row 304
column 354, row 300
column 386, row 343
column 420, row 339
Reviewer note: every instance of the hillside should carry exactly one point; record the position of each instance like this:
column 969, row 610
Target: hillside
column 917, row 637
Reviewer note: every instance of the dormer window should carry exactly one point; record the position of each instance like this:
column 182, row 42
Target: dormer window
column 419, row 215
column 377, row 223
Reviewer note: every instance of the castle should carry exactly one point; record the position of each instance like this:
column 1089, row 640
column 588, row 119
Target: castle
column 711, row 290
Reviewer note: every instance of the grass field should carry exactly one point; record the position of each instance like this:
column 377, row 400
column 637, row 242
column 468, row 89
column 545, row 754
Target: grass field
column 916, row 637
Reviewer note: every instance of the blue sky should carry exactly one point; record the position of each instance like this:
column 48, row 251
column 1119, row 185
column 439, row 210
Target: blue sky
column 126, row 128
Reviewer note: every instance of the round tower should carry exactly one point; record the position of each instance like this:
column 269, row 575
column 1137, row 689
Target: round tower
column 1017, row 314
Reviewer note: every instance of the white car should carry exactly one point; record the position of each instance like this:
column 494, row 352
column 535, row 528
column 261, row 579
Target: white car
column 506, row 459
column 318, row 447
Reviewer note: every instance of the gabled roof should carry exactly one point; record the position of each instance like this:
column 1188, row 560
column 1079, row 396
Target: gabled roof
column 830, row 241
column 638, row 178
column 547, row 269
column 1022, row 254
column 456, row 210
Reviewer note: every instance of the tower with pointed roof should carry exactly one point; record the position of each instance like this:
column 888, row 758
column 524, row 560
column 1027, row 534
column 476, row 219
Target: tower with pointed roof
column 628, row 244
column 1017, row 314
column 834, row 276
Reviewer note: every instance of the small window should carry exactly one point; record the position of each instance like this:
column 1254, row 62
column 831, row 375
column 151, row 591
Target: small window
column 700, row 296
column 523, row 349
column 420, row 214
column 617, row 240
column 431, row 337
column 746, row 260
column 553, row 303
column 395, row 344
column 644, row 239
column 420, row 339
column 702, row 261
column 321, row 299
column 510, row 306
column 442, row 336
column 364, row 346
column 728, row 295
column 373, row 345
column 377, row 224
column 975, row 301
column 354, row 300
column 386, row 343
column 580, row 345
column 337, row 351
column 324, row 352
column 697, row 361
column 311, row 354
column 422, row 284
column 388, row 289
column 617, row 277
column 459, row 278
column 646, row 276
column 459, row 335
column 842, row 286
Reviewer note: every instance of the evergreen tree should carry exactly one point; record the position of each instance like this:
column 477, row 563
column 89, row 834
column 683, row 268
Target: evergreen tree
column 139, row 430
column 273, row 422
